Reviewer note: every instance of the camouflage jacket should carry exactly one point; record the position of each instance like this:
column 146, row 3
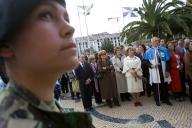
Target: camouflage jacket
column 21, row 109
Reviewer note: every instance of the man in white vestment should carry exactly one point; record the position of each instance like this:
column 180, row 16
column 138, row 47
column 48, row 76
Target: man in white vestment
column 157, row 59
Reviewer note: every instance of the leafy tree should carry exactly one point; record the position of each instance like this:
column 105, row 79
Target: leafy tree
column 159, row 18
column 107, row 45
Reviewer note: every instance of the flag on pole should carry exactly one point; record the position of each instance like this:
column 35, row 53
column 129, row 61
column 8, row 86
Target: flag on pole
column 130, row 11
column 85, row 10
column 113, row 18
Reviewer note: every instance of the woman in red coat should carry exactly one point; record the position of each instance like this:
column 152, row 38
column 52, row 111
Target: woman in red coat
column 175, row 66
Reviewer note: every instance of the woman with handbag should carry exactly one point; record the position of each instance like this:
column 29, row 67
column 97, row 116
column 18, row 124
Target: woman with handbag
column 133, row 73
column 117, row 61
column 96, row 88
column 107, row 82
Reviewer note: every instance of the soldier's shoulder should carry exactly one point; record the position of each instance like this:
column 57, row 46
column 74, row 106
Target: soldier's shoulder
column 19, row 123
column 10, row 104
column 14, row 112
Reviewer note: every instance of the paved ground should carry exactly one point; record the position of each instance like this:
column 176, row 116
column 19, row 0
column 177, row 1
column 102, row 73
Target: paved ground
column 148, row 116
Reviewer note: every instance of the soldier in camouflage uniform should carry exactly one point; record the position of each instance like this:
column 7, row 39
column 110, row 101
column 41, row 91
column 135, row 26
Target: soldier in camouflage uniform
column 36, row 46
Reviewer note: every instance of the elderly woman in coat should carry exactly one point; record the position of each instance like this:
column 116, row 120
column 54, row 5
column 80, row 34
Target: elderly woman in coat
column 133, row 73
column 107, row 82
column 188, row 68
column 117, row 61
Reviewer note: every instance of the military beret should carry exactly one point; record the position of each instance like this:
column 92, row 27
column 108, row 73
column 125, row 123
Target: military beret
column 13, row 13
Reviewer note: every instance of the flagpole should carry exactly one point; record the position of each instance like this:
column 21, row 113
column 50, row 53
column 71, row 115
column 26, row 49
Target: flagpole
column 86, row 26
column 79, row 21
column 123, row 18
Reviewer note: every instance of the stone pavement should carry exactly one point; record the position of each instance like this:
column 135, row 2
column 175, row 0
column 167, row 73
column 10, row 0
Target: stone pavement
column 148, row 116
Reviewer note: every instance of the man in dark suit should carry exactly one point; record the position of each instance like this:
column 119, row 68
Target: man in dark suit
column 85, row 75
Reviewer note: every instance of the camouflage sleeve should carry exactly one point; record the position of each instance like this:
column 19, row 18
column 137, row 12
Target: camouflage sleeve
column 19, row 123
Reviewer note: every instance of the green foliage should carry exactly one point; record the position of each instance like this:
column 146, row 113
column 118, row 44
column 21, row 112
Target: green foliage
column 159, row 18
column 107, row 45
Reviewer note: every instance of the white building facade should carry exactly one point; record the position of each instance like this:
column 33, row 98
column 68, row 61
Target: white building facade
column 95, row 41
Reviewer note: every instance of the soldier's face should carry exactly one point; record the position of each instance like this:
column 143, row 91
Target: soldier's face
column 45, row 42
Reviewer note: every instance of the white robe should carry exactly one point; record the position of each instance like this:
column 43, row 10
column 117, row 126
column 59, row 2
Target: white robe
column 154, row 72
column 134, row 86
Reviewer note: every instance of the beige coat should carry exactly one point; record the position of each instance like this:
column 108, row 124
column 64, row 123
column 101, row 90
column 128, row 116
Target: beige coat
column 134, row 85
column 120, row 78
column 188, row 65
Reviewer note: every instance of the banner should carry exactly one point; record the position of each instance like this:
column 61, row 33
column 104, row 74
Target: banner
column 130, row 11
column 85, row 10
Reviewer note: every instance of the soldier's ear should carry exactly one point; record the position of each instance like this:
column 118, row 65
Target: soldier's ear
column 5, row 51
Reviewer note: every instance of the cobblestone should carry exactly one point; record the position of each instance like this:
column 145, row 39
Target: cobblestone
column 148, row 116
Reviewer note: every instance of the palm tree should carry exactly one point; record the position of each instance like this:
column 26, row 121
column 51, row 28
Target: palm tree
column 158, row 18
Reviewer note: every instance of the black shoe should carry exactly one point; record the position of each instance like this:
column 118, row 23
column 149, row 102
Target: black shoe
column 116, row 102
column 72, row 97
column 158, row 104
column 168, row 103
column 86, row 109
column 128, row 99
column 142, row 94
column 99, row 103
column 177, row 99
column 122, row 97
column 148, row 95
column 109, row 103
column 89, row 109
column 185, row 94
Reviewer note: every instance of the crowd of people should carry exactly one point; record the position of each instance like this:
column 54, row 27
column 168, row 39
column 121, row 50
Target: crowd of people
column 37, row 46
column 162, row 69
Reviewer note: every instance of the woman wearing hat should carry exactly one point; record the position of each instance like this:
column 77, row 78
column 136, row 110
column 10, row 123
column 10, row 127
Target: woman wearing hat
column 107, row 82
column 133, row 73
column 36, row 46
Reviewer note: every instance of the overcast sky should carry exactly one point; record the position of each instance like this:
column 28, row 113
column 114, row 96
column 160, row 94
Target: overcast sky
column 97, row 21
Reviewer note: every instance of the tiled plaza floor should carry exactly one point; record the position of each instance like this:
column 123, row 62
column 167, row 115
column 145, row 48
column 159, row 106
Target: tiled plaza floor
column 148, row 116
